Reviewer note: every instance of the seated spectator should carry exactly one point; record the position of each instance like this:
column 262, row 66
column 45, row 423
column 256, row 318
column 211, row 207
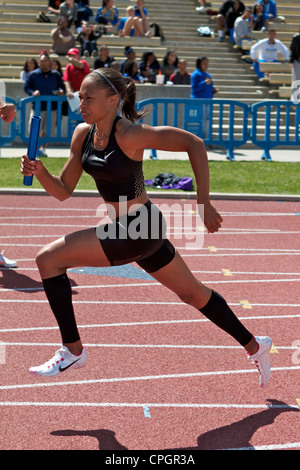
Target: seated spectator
column 130, row 54
column 202, row 8
column 52, row 12
column 141, row 12
column 69, row 10
column 63, row 39
column 260, row 19
column 84, row 13
column 131, row 25
column 232, row 14
column 181, row 77
column 88, row 39
column 108, row 15
column 131, row 71
column 169, row 65
column 242, row 27
column 267, row 50
column 270, row 8
column 104, row 59
column 75, row 72
column 221, row 17
column 30, row 65
column 149, row 67
column 115, row 65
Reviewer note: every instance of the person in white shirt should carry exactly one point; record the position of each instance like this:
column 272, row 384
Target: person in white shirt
column 267, row 50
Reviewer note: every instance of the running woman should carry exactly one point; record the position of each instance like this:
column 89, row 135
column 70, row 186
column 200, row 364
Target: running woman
column 110, row 148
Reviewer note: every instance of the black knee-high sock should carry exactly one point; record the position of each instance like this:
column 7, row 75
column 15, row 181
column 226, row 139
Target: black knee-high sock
column 218, row 311
column 59, row 293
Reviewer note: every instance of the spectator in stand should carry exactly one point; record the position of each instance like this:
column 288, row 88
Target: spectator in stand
column 52, row 12
column 108, row 15
column 202, row 86
column 131, row 71
column 141, row 12
column 130, row 54
column 104, row 59
column 131, row 25
column 44, row 81
column 221, row 17
column 267, row 50
column 75, row 72
column 169, row 65
column 69, row 10
column 181, row 77
column 202, row 8
column 56, row 65
column 88, row 39
column 232, row 14
column 30, row 65
column 295, row 64
column 149, row 67
column 260, row 19
column 84, row 13
column 270, row 8
column 243, row 27
column 62, row 38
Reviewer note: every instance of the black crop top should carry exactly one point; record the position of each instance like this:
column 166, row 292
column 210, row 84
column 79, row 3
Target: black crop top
column 114, row 173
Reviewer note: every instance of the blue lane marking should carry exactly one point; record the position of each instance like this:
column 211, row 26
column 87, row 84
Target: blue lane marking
column 146, row 412
column 126, row 271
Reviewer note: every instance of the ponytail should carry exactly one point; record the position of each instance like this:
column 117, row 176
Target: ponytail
column 128, row 108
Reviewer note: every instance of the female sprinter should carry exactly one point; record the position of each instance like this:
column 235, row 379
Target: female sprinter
column 110, row 148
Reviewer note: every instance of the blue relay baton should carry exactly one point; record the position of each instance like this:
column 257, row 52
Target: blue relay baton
column 33, row 142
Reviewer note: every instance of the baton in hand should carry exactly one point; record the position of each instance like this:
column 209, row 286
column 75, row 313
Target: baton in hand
column 32, row 146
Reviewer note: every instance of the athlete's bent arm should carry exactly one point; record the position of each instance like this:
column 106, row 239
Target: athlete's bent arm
column 61, row 187
column 177, row 140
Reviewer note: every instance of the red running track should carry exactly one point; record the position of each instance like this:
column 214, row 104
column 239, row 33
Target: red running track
column 159, row 375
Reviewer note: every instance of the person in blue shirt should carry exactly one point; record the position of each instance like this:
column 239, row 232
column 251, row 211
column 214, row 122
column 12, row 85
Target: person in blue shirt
column 269, row 8
column 141, row 12
column 44, row 81
column 201, row 80
column 108, row 15
column 202, row 86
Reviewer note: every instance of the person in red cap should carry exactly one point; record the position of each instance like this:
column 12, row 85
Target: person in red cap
column 75, row 72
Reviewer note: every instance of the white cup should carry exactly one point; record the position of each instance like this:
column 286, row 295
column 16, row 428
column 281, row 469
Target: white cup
column 160, row 79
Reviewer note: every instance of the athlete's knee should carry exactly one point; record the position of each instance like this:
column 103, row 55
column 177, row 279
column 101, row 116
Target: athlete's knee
column 45, row 256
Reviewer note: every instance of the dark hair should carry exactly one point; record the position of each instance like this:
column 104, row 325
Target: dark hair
column 166, row 58
column 36, row 65
column 124, row 86
column 199, row 62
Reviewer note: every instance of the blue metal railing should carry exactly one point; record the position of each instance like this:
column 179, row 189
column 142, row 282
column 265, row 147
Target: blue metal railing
column 223, row 123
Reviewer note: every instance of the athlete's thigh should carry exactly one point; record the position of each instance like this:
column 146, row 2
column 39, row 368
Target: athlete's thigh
column 81, row 248
column 178, row 277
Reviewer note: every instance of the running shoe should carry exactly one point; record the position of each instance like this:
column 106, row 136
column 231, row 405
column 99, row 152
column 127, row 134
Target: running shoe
column 62, row 361
column 262, row 359
column 6, row 263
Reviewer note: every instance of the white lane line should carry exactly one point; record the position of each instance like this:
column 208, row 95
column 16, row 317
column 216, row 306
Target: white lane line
column 288, row 445
column 141, row 378
column 158, row 322
column 154, row 405
column 147, row 346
